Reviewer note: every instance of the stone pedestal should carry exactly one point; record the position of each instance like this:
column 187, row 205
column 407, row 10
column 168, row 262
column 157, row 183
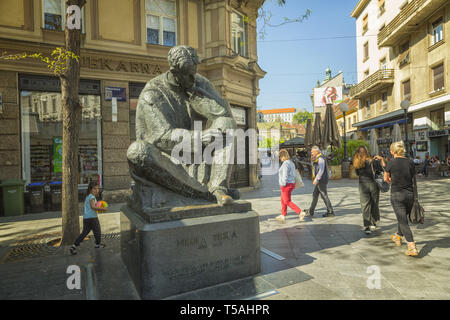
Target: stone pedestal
column 345, row 169
column 175, row 250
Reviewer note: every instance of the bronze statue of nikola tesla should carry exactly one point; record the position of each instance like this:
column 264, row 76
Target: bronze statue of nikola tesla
column 171, row 101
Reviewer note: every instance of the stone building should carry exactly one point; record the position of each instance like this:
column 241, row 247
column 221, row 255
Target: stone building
column 406, row 60
column 124, row 44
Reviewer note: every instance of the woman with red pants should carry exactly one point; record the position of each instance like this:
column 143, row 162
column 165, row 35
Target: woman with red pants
column 287, row 185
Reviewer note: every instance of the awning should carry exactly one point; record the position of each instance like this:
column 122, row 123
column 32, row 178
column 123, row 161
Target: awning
column 386, row 116
column 382, row 125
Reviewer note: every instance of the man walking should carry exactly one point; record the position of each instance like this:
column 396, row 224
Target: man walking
column 321, row 181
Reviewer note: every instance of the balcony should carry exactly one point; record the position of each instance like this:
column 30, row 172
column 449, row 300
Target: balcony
column 407, row 21
column 373, row 83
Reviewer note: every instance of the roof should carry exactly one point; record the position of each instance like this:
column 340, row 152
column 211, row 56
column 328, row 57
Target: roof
column 300, row 128
column 273, row 111
column 352, row 105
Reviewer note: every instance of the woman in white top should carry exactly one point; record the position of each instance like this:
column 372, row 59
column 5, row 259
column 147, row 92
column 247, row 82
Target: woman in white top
column 286, row 179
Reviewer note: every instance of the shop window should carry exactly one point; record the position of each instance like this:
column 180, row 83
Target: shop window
column 437, row 31
column 54, row 15
column 42, row 138
column 161, row 20
column 239, row 33
column 438, row 77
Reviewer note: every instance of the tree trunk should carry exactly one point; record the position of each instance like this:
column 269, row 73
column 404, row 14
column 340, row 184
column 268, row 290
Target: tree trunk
column 71, row 113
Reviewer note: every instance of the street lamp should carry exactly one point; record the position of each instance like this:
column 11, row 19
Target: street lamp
column 345, row 165
column 405, row 105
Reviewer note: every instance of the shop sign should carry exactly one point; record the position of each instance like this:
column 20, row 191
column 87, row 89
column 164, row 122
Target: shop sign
column 384, row 141
column 57, row 155
column 421, row 135
column 438, row 133
column 97, row 63
column 115, row 92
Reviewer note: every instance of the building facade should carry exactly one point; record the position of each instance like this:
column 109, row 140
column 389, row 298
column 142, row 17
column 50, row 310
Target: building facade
column 124, row 44
column 278, row 115
column 411, row 49
column 351, row 117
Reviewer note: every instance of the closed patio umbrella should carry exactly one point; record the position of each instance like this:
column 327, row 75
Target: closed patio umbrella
column 373, row 143
column 396, row 133
column 317, row 131
column 308, row 134
column 331, row 135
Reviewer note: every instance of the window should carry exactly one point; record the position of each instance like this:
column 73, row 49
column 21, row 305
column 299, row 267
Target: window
column 383, row 100
column 239, row 33
column 365, row 26
column 42, row 142
column 381, row 7
column 54, row 15
column 437, row 119
column 54, row 105
column 383, row 65
column 438, row 77
column 161, row 22
column 437, row 31
column 366, row 51
column 403, row 53
column 368, row 108
column 406, row 90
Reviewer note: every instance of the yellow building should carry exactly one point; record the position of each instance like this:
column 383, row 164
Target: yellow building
column 124, row 44
column 408, row 60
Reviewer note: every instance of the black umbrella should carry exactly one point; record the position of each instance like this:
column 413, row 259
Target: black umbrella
column 317, row 131
column 331, row 135
column 308, row 134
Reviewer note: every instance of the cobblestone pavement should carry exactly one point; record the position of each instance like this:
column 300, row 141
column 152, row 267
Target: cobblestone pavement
column 320, row 258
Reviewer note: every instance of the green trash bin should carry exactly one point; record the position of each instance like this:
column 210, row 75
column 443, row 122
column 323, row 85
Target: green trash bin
column 13, row 200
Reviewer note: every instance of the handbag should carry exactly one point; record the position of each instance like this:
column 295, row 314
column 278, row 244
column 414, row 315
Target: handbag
column 417, row 214
column 379, row 180
column 298, row 180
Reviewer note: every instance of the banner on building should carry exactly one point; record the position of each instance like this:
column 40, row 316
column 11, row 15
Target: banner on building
column 327, row 95
column 57, row 155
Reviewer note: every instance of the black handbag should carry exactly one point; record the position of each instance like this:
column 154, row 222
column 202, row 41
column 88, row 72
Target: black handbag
column 417, row 214
column 379, row 180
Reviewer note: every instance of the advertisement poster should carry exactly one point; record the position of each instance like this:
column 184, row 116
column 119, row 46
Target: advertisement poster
column 327, row 95
column 57, row 155
column 115, row 92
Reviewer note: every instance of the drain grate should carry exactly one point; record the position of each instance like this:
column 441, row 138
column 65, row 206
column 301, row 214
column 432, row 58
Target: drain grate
column 39, row 246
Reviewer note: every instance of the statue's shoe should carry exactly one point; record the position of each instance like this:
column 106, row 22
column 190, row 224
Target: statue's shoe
column 222, row 198
column 234, row 193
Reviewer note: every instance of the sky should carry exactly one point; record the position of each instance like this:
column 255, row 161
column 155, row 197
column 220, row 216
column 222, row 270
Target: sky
column 296, row 55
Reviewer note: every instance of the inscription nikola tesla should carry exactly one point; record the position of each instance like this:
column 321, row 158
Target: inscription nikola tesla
column 200, row 242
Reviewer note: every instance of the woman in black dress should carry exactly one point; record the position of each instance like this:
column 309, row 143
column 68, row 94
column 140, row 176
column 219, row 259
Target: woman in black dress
column 369, row 193
column 399, row 172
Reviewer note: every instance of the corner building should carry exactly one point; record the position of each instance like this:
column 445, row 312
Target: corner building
column 124, row 44
column 402, row 51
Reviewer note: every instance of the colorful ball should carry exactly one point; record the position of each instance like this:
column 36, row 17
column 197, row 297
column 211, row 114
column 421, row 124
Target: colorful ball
column 101, row 204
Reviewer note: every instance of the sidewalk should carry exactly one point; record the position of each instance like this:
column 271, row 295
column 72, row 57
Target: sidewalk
column 321, row 258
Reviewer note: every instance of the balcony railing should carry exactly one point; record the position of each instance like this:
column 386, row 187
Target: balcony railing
column 407, row 20
column 373, row 82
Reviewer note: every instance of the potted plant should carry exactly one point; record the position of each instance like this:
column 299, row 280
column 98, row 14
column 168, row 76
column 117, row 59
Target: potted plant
column 338, row 157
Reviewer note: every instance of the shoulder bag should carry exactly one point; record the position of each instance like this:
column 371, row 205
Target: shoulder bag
column 298, row 180
column 417, row 214
column 379, row 180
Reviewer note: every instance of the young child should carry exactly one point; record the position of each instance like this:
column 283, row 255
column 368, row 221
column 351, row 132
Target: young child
column 90, row 219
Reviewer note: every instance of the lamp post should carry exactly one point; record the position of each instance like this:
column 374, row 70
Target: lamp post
column 345, row 164
column 405, row 105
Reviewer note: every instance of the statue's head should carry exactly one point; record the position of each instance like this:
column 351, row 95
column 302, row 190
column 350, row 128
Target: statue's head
column 183, row 61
